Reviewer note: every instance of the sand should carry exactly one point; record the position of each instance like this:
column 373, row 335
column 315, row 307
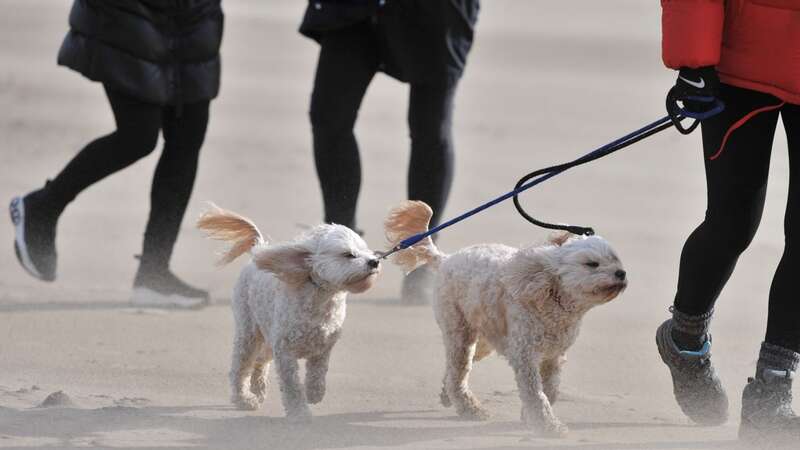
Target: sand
column 546, row 82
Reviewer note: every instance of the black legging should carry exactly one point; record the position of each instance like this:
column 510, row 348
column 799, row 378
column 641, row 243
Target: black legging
column 138, row 127
column 737, row 186
column 348, row 60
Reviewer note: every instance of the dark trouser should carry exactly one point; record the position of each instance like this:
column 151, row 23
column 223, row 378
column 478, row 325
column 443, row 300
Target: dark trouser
column 737, row 185
column 348, row 60
column 138, row 126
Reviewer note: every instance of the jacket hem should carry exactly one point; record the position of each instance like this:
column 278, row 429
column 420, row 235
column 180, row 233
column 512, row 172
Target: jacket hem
column 787, row 96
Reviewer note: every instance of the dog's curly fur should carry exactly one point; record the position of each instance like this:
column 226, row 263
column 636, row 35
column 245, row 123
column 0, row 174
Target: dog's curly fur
column 527, row 304
column 289, row 304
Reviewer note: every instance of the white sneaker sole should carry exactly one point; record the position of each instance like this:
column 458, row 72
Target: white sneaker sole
column 147, row 298
column 17, row 212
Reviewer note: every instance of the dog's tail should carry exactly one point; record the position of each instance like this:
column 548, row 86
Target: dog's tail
column 408, row 219
column 228, row 226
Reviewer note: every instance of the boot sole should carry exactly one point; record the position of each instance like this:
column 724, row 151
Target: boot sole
column 147, row 298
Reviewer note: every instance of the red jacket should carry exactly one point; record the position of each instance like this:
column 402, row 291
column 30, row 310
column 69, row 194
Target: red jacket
column 754, row 44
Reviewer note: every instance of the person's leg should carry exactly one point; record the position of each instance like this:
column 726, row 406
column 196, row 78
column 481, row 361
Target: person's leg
column 36, row 215
column 348, row 60
column 736, row 184
column 430, row 121
column 736, row 188
column 783, row 325
column 430, row 170
column 136, row 136
column 173, row 182
column 767, row 412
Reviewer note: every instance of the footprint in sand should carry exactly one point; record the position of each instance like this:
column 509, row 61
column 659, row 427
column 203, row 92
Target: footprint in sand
column 132, row 402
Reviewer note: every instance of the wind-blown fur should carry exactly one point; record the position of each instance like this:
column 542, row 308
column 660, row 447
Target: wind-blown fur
column 525, row 303
column 410, row 218
column 228, row 226
column 289, row 304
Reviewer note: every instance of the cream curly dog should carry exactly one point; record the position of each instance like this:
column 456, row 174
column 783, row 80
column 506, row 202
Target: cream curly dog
column 289, row 304
column 525, row 303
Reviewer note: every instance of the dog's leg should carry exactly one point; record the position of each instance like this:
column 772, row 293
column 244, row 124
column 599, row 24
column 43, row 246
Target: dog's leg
column 316, row 370
column 246, row 345
column 482, row 349
column 444, row 398
column 292, row 392
column 259, row 380
column 551, row 377
column 459, row 345
column 536, row 409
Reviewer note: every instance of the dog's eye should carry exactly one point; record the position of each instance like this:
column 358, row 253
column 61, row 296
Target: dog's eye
column 349, row 255
column 593, row 264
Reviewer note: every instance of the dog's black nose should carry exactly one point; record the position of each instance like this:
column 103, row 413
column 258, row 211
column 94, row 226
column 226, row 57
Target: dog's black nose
column 374, row 263
column 620, row 274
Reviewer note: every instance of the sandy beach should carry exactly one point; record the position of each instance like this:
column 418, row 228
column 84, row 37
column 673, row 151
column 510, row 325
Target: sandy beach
column 546, row 82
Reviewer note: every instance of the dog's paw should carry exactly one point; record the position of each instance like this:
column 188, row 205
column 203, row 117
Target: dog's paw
column 554, row 429
column 246, row 402
column 315, row 393
column 474, row 412
column 300, row 416
column 551, row 428
column 444, row 398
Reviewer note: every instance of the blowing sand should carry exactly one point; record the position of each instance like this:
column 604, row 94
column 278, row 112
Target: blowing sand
column 547, row 81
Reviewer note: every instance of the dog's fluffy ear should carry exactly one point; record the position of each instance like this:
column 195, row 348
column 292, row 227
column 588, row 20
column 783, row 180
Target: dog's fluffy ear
column 289, row 262
column 407, row 219
column 530, row 278
column 228, row 226
column 560, row 238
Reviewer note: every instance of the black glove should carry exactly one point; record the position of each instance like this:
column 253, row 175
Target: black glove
column 700, row 82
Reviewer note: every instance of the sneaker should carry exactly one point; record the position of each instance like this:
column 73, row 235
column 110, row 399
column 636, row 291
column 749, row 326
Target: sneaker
column 165, row 290
column 418, row 287
column 696, row 386
column 35, row 238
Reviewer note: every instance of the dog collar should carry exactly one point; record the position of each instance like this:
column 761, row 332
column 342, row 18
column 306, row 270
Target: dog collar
column 557, row 299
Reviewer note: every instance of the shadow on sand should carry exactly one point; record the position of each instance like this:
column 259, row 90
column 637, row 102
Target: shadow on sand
column 223, row 427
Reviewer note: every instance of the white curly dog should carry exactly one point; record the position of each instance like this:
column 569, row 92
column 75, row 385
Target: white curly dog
column 525, row 303
column 289, row 304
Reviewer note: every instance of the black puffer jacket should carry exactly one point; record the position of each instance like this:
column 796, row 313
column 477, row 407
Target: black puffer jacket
column 422, row 41
column 160, row 51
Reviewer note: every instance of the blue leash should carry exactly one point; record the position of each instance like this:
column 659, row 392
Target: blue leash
column 675, row 116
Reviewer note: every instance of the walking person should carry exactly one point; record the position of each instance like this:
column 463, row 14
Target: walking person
column 158, row 62
column 742, row 52
column 422, row 43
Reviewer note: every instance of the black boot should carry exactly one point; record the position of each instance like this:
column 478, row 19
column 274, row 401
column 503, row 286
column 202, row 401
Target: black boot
column 695, row 384
column 35, row 221
column 768, row 420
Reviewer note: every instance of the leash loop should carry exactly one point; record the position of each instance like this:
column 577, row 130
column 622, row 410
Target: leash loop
column 548, row 172
column 675, row 114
